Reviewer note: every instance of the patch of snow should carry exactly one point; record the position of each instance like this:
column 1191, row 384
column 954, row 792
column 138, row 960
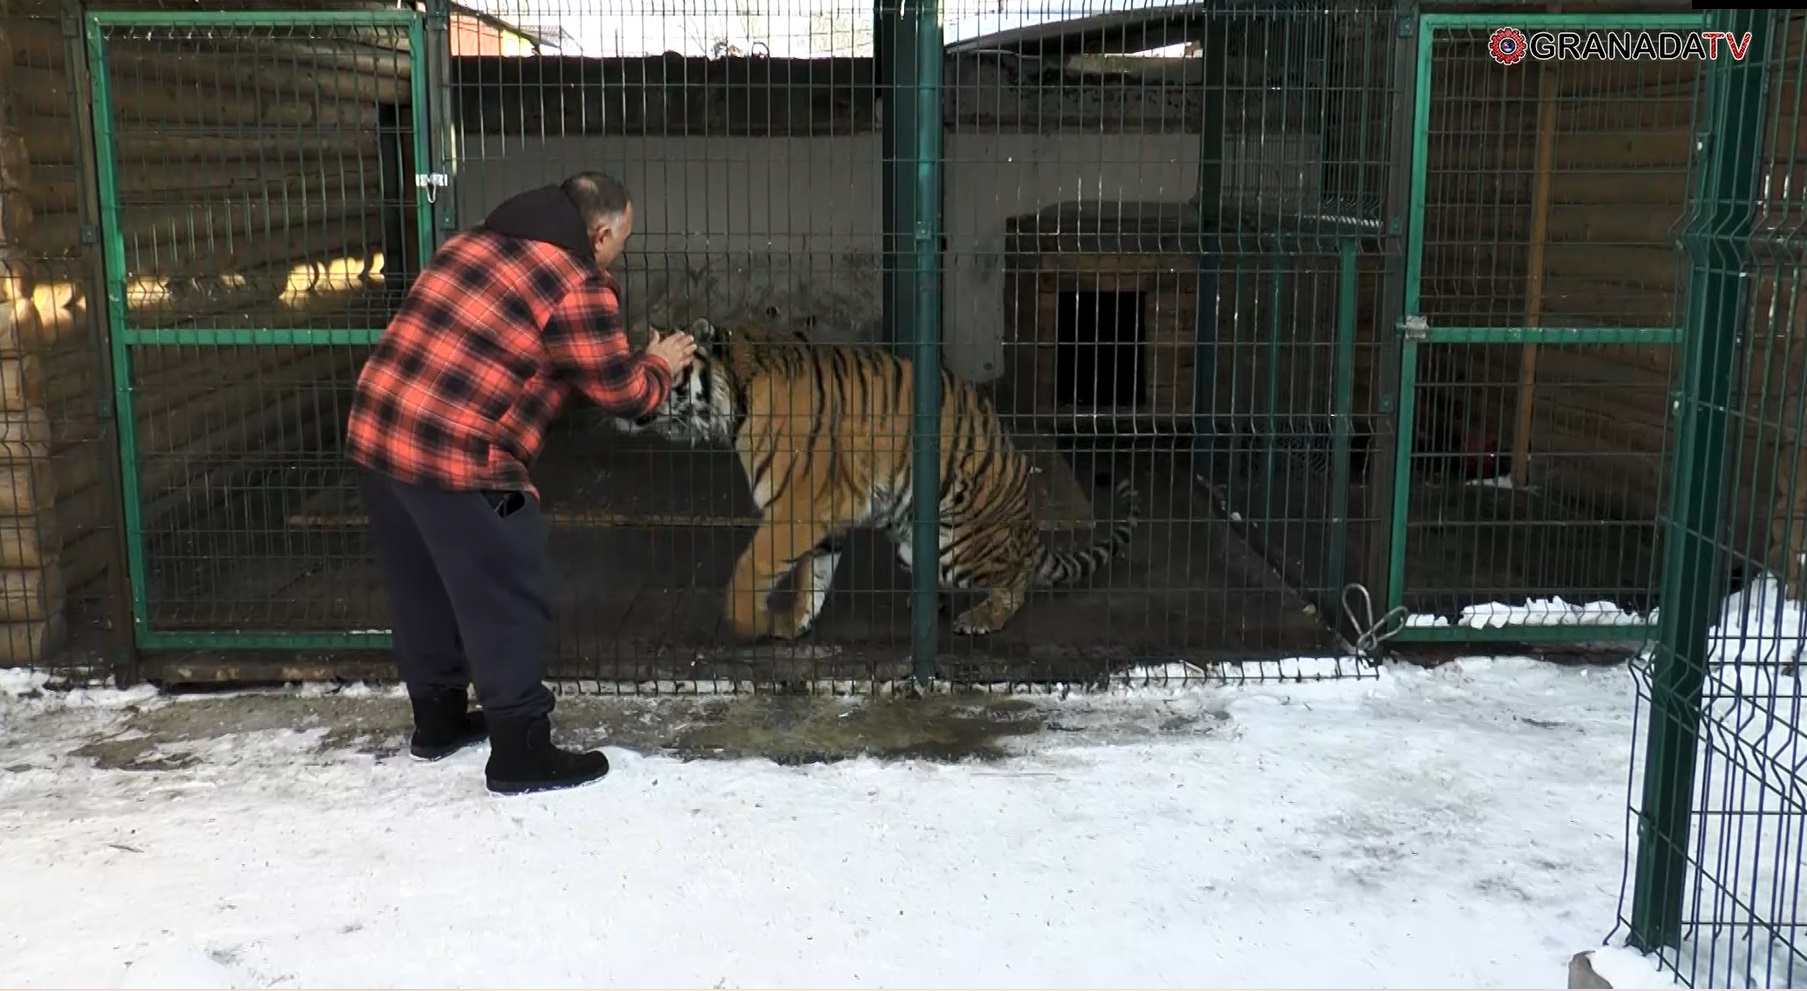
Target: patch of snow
column 1172, row 671
column 1553, row 611
column 1500, row 482
column 1457, row 827
column 15, row 682
column 1623, row 967
column 175, row 969
column 357, row 689
column 24, row 685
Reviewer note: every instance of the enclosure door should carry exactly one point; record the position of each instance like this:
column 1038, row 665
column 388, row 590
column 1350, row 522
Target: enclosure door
column 261, row 210
column 1540, row 317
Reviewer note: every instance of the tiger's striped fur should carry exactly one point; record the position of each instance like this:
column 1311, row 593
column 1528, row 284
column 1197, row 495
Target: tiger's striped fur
column 823, row 434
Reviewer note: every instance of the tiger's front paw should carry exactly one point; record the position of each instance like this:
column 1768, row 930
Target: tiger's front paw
column 745, row 614
column 973, row 623
column 787, row 627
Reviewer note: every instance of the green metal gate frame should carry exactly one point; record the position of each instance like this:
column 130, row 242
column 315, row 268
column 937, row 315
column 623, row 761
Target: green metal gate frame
column 1415, row 331
column 122, row 336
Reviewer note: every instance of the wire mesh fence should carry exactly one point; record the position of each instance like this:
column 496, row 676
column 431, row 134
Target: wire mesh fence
column 1717, row 804
column 1538, row 417
column 1165, row 248
column 1099, row 307
column 254, row 178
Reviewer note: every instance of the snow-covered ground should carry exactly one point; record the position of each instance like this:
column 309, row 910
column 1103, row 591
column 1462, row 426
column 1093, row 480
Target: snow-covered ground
column 1457, row 827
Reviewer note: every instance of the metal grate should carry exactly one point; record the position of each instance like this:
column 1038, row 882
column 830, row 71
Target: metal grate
column 1720, row 815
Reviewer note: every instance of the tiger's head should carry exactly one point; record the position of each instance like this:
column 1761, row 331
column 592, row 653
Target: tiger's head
column 701, row 407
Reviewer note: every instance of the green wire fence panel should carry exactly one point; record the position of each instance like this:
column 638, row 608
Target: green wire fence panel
column 1721, row 813
column 1541, row 317
column 257, row 212
column 1148, row 240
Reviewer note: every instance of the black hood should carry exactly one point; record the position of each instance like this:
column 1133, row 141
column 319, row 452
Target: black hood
column 543, row 214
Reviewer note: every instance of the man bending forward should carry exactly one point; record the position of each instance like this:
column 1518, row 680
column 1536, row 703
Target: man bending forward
column 506, row 323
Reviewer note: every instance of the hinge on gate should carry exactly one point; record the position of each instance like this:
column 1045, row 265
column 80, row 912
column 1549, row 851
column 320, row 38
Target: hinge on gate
column 430, row 181
column 89, row 234
column 1414, row 328
column 72, row 27
column 1408, row 26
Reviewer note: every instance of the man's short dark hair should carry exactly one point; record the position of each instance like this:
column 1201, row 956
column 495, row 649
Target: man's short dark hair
column 599, row 198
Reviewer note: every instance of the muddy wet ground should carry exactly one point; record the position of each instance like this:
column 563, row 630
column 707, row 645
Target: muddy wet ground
column 168, row 731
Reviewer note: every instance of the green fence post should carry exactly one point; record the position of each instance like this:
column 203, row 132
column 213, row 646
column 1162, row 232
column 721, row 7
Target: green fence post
column 1411, row 325
column 442, row 147
column 1376, row 563
column 113, row 253
column 894, row 74
column 1717, row 315
column 925, row 336
column 420, row 127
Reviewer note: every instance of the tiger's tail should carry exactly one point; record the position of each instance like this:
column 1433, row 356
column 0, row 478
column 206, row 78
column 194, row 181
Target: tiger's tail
column 1065, row 567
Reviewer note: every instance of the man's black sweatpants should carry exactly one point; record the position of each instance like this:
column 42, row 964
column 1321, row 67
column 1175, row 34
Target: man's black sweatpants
column 470, row 590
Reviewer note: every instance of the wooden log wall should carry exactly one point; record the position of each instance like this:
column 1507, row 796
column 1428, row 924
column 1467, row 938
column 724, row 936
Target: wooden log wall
column 1594, row 245
column 260, row 187
column 32, row 624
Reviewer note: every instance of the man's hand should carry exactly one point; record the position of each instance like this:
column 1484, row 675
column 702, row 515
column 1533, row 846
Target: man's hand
column 676, row 350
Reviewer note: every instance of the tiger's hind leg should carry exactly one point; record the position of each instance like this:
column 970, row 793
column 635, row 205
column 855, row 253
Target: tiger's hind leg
column 996, row 609
column 815, row 573
column 1008, row 572
column 900, row 542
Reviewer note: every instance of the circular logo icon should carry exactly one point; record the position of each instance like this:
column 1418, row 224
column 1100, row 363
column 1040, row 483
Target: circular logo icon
column 1507, row 46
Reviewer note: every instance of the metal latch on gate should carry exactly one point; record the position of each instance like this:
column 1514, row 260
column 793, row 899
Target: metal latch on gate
column 430, row 181
column 1415, row 327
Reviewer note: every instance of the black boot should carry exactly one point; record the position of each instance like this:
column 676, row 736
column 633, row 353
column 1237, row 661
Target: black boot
column 522, row 759
column 443, row 724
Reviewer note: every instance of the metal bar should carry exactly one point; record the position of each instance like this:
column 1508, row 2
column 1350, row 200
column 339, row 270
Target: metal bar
column 1718, row 243
column 1271, row 401
column 894, row 208
column 421, row 126
column 273, row 336
column 1211, row 154
column 252, row 640
column 1377, row 565
column 1343, row 413
column 925, row 448
column 1525, row 633
column 1409, row 306
column 1548, row 85
column 1532, row 22
column 1551, row 336
column 1402, row 475
column 443, row 148
column 124, row 654
column 252, row 18
column 113, row 254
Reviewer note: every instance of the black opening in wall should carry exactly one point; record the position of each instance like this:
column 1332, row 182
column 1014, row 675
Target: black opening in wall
column 1098, row 349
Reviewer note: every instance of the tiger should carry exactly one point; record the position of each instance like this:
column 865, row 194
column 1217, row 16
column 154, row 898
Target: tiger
column 822, row 432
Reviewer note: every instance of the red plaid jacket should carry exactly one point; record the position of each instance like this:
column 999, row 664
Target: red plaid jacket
column 494, row 336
